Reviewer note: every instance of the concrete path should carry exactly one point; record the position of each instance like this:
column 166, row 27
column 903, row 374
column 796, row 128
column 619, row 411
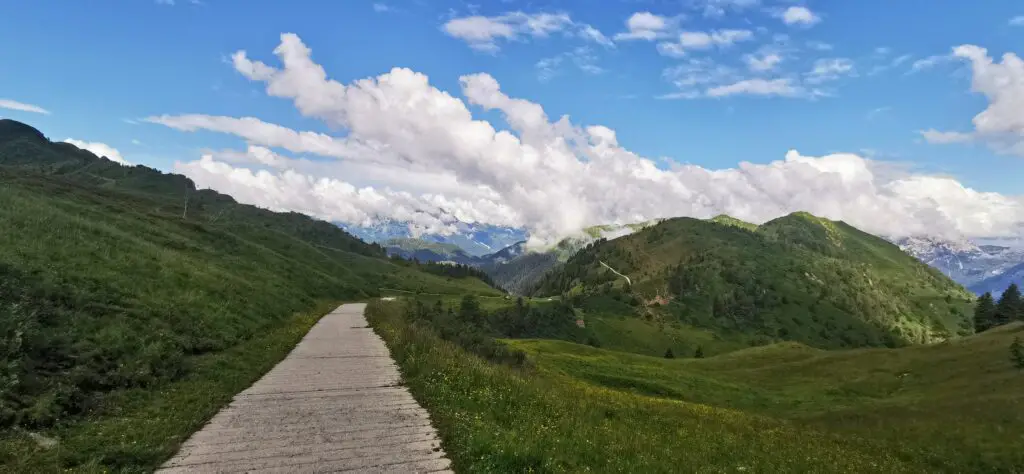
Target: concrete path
column 335, row 404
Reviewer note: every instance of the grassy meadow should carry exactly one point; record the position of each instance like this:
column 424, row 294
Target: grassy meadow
column 950, row 407
column 124, row 325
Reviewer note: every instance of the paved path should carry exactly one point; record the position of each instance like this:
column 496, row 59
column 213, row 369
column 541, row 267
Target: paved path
column 334, row 404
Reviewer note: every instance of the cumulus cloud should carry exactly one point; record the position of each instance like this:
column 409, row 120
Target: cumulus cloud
column 798, row 16
column 482, row 32
column 436, row 162
column 100, row 149
column 1001, row 124
column 22, row 107
column 647, row 26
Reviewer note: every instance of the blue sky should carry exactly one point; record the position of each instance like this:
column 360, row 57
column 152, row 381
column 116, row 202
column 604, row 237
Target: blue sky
column 99, row 71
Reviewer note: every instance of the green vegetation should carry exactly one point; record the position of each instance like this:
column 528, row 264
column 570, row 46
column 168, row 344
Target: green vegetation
column 984, row 313
column 425, row 251
column 1010, row 307
column 1017, row 353
column 501, row 418
column 798, row 278
column 732, row 221
column 120, row 285
column 988, row 314
column 946, row 407
column 412, row 245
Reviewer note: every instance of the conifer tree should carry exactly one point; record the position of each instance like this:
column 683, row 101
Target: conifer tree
column 1017, row 353
column 984, row 313
column 1010, row 307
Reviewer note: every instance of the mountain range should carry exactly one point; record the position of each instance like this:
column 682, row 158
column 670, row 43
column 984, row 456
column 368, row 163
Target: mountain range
column 474, row 239
column 980, row 267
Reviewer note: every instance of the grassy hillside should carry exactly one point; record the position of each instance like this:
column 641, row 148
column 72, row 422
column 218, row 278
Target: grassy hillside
column 521, row 273
column 951, row 407
column 110, row 297
column 426, row 251
column 797, row 278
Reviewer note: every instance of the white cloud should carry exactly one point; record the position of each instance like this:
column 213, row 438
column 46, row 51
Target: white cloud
column 22, row 107
column 800, row 16
column 381, row 8
column 930, row 62
column 934, row 136
column 705, row 78
column 165, row 2
column 590, row 33
column 700, row 40
column 100, row 149
column 582, row 57
column 783, row 87
column 647, row 26
column 718, row 8
column 830, row 69
column 763, row 62
column 482, row 33
column 433, row 161
column 1001, row 124
column 1017, row 21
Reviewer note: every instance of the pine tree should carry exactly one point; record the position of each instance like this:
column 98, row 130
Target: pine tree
column 469, row 309
column 1017, row 353
column 1010, row 307
column 669, row 354
column 984, row 313
column 699, row 354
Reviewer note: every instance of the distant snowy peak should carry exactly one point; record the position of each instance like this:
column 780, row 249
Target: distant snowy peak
column 474, row 239
column 966, row 262
column 927, row 248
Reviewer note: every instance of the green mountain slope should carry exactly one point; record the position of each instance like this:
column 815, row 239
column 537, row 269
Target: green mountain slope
column 426, row 251
column 564, row 407
column 107, row 289
column 798, row 278
column 521, row 273
column 950, row 407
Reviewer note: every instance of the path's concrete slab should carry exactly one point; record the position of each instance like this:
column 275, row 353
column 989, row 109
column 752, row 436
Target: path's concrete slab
column 335, row 404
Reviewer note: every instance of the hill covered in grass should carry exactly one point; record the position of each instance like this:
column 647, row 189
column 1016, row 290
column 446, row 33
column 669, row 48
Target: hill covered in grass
column 798, row 277
column 565, row 407
column 113, row 292
column 427, row 251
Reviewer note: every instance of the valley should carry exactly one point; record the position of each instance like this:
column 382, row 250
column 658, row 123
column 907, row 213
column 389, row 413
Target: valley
column 134, row 306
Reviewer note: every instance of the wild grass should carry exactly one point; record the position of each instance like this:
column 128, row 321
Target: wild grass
column 497, row 418
column 949, row 407
column 118, row 317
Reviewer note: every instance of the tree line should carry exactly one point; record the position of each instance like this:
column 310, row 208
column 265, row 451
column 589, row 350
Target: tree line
column 989, row 313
